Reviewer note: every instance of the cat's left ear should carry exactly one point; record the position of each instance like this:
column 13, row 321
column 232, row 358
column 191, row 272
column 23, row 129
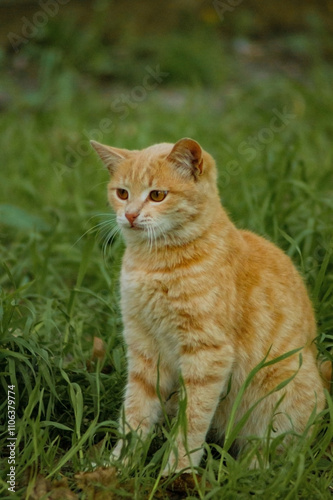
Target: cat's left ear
column 187, row 155
column 111, row 157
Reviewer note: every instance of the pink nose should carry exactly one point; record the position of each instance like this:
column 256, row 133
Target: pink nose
column 131, row 218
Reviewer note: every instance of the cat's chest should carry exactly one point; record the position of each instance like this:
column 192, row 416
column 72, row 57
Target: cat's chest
column 157, row 300
column 149, row 293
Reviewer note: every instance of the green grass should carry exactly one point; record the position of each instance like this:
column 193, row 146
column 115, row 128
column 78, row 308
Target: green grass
column 59, row 281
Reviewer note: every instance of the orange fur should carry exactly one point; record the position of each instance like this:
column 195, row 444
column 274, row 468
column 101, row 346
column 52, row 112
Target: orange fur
column 205, row 300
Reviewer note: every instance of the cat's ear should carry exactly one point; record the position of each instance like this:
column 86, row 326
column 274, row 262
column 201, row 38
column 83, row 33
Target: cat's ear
column 187, row 155
column 111, row 157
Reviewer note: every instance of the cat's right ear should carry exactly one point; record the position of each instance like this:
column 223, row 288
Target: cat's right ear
column 111, row 157
column 187, row 155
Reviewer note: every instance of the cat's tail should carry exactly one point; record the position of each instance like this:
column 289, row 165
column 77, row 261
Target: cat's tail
column 325, row 370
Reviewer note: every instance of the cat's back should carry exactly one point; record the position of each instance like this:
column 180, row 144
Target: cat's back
column 268, row 262
column 273, row 289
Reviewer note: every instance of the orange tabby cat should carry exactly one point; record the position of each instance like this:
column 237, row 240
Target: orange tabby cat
column 206, row 301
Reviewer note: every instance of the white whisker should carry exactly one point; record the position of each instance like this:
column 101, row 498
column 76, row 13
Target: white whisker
column 155, row 233
column 161, row 231
column 109, row 238
column 154, row 239
column 105, row 227
column 150, row 237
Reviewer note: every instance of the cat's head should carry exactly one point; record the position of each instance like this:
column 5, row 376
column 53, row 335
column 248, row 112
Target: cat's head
column 164, row 194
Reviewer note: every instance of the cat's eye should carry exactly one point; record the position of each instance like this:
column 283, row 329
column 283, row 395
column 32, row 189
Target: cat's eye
column 157, row 195
column 122, row 194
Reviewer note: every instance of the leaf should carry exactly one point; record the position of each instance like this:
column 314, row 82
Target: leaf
column 48, row 423
column 293, row 245
column 16, row 217
column 233, row 429
column 321, row 275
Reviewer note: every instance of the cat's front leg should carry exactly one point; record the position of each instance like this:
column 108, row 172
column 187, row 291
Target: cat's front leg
column 142, row 407
column 206, row 369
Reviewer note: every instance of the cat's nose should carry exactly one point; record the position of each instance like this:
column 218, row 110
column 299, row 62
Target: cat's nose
column 131, row 217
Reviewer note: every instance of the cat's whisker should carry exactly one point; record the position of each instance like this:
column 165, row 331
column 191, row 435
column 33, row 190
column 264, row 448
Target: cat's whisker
column 150, row 238
column 101, row 226
column 106, row 214
column 164, row 235
column 108, row 238
column 111, row 219
column 154, row 239
column 91, row 230
column 110, row 228
column 106, row 230
column 147, row 229
column 161, row 231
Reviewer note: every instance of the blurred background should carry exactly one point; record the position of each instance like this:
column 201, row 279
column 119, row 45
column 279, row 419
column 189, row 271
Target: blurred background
column 53, row 50
column 105, row 42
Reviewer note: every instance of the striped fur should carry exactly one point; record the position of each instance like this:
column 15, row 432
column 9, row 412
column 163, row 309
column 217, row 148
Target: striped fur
column 205, row 300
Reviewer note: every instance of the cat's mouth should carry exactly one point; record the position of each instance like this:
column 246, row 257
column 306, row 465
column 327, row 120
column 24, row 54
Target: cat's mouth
column 134, row 227
column 138, row 226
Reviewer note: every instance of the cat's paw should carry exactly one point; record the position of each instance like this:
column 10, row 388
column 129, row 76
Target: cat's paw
column 106, row 463
column 182, row 461
column 116, row 452
column 175, row 466
column 258, row 462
